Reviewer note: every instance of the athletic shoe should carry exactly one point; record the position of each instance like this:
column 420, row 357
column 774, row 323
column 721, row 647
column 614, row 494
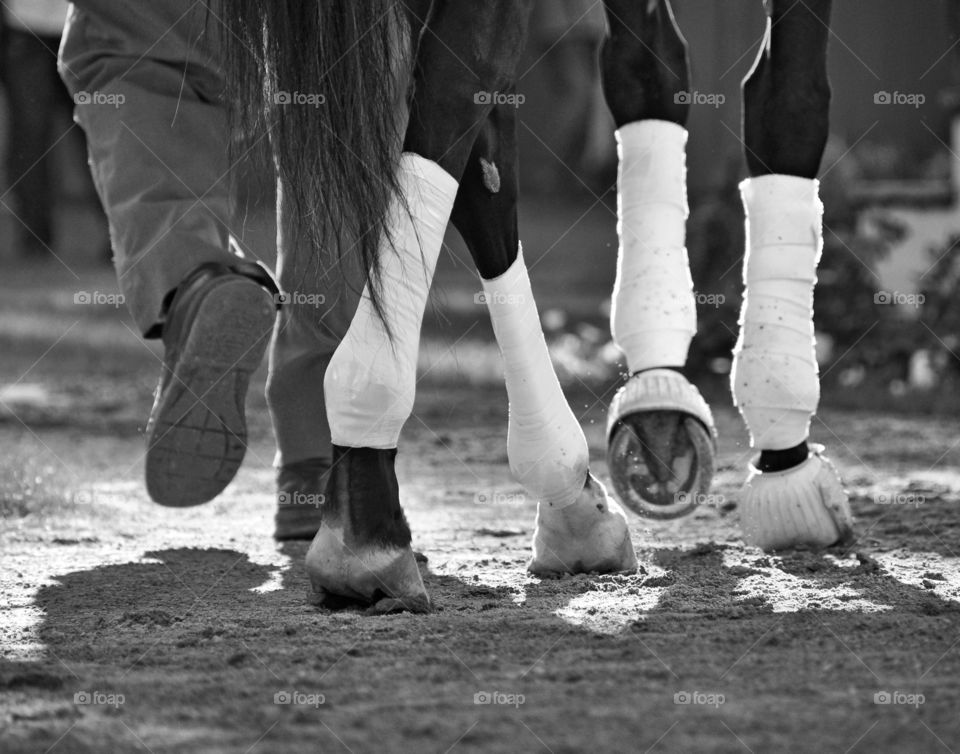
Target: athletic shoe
column 217, row 327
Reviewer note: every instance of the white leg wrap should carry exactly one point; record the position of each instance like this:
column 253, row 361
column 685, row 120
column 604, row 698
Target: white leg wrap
column 370, row 383
column 545, row 444
column 775, row 380
column 654, row 314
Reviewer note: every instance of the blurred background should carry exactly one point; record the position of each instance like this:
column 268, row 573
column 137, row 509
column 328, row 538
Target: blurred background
column 887, row 315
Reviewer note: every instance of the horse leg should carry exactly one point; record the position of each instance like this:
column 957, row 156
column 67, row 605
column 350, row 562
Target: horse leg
column 579, row 528
column 363, row 546
column 660, row 430
column 793, row 494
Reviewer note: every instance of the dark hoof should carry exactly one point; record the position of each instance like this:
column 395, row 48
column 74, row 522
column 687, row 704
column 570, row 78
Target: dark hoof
column 661, row 463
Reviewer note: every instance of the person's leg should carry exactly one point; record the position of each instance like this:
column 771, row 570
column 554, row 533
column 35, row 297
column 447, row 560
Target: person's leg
column 31, row 85
column 148, row 87
column 320, row 296
column 147, row 92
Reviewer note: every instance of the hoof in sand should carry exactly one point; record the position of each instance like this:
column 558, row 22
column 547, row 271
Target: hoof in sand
column 589, row 536
column 385, row 577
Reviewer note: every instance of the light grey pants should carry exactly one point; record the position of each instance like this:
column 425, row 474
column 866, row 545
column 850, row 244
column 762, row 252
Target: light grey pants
column 150, row 86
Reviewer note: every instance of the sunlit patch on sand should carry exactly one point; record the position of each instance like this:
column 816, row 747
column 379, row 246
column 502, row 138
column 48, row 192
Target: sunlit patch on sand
column 925, row 570
column 20, row 632
column 614, row 602
column 273, row 584
column 786, row 593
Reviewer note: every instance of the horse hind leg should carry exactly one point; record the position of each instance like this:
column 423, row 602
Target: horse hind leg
column 362, row 549
column 579, row 528
column 793, row 494
column 660, row 430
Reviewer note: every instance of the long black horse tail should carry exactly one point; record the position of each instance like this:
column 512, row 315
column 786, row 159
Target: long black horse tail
column 321, row 77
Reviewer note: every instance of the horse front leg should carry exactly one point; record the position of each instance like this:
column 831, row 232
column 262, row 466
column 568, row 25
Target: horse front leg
column 579, row 527
column 793, row 494
column 660, row 430
column 362, row 549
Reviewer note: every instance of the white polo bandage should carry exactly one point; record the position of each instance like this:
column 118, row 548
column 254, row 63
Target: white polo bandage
column 370, row 384
column 774, row 380
column 654, row 315
column 545, row 444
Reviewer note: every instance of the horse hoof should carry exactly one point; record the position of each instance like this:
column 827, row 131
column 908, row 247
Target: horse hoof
column 382, row 576
column 661, row 445
column 802, row 506
column 589, row 536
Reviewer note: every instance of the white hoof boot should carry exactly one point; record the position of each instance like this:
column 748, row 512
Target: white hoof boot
column 805, row 505
column 589, row 536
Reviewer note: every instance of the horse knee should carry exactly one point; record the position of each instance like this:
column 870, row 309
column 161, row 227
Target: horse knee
column 644, row 63
column 785, row 123
column 455, row 92
column 485, row 212
column 786, row 95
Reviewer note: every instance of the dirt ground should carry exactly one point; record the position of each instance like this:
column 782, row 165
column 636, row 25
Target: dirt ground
column 125, row 626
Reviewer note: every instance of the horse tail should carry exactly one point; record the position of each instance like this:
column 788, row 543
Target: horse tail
column 322, row 79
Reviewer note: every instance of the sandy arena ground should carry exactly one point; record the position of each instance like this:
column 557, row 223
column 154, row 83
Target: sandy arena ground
column 125, row 626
